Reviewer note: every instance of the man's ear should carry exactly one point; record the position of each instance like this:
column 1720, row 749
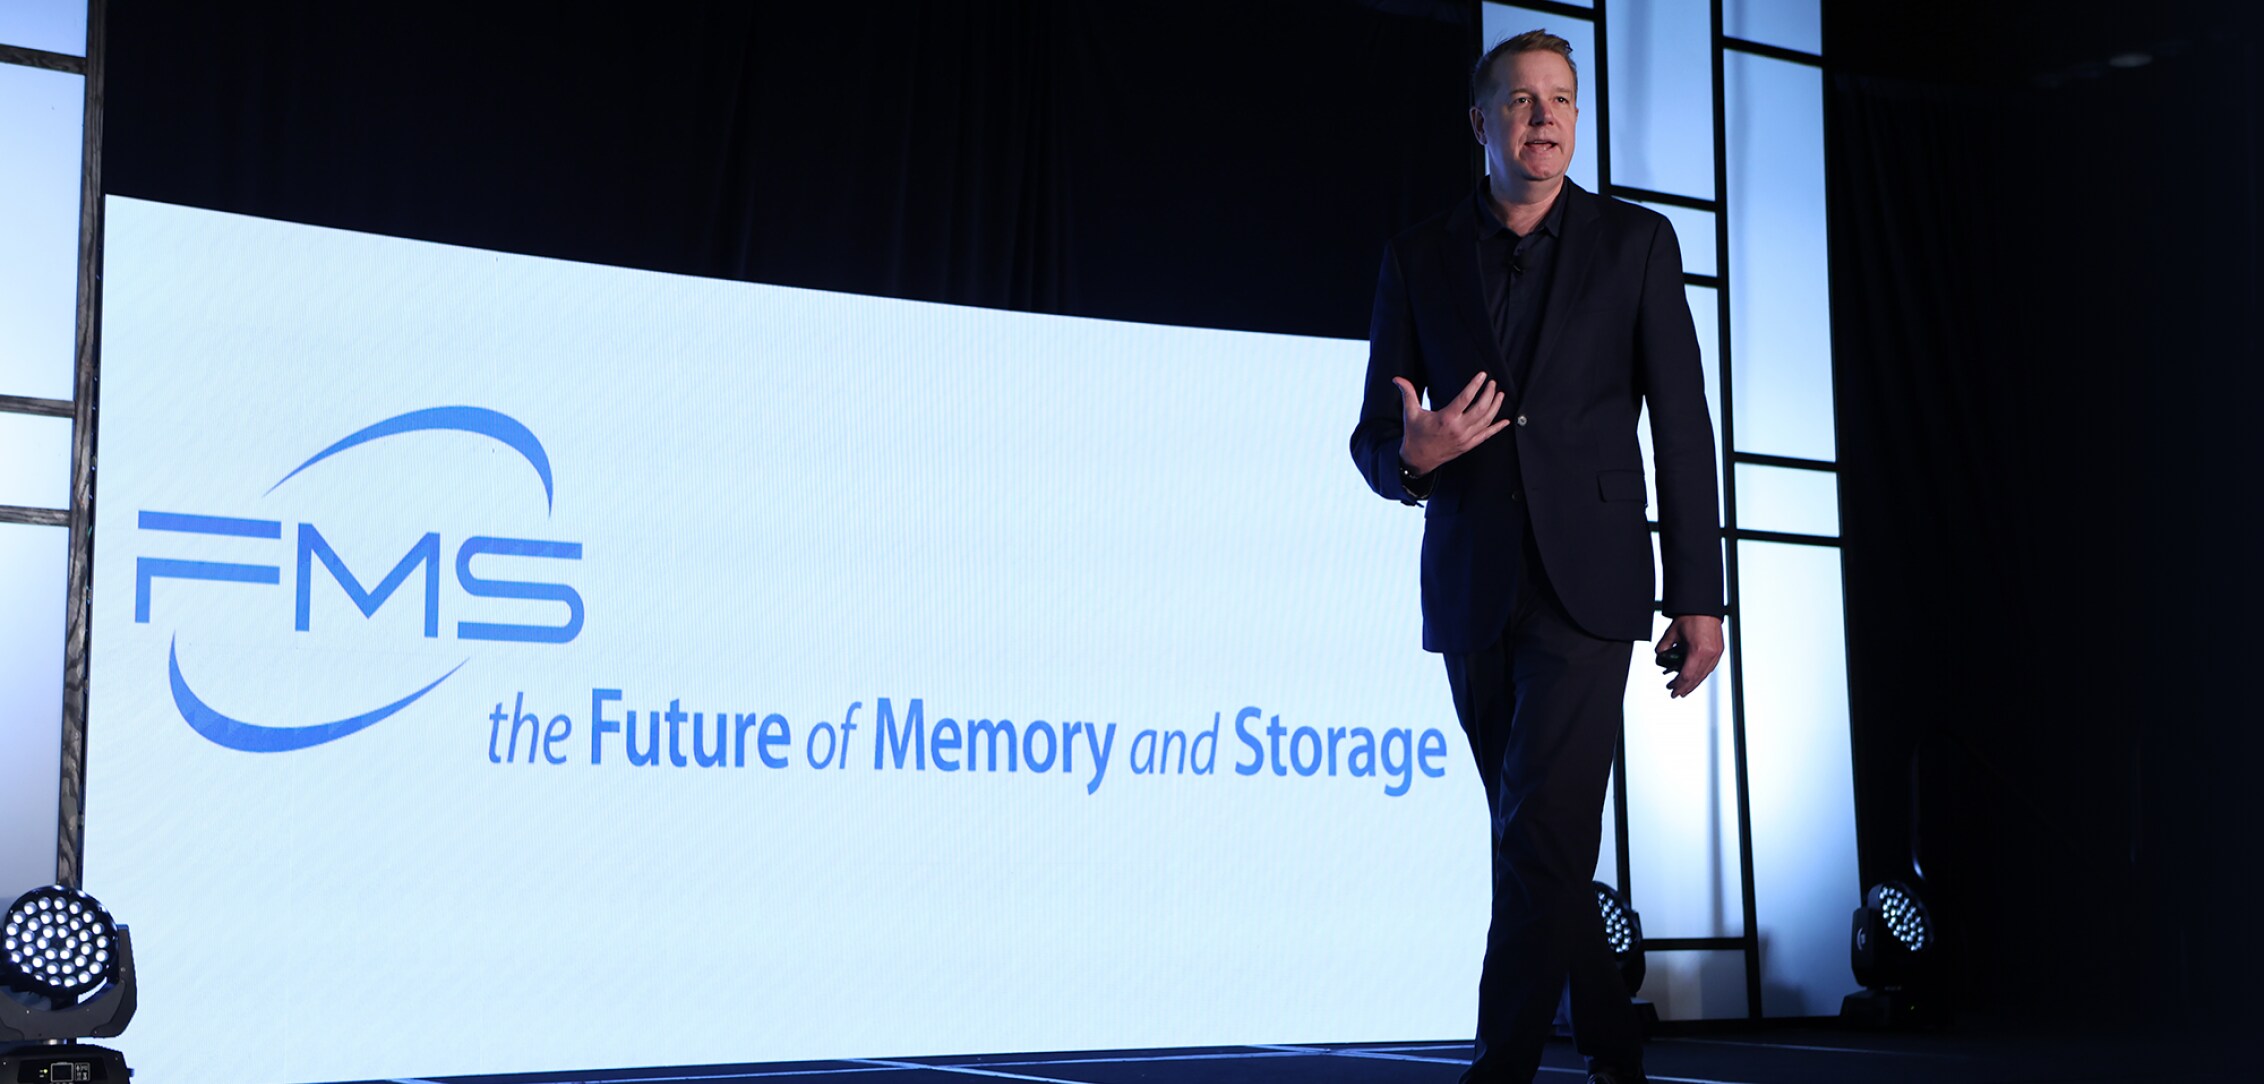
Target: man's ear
column 1478, row 124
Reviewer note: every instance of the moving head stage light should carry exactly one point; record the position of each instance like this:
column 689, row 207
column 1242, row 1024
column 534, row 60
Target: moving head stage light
column 68, row 974
column 1623, row 934
column 1623, row 928
column 1892, row 951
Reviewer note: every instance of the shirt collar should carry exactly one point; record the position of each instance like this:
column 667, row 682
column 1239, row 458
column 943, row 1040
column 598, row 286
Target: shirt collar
column 1489, row 220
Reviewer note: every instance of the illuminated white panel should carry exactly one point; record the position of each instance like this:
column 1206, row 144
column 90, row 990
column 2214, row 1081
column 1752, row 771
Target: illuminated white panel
column 1787, row 24
column 1506, row 20
column 1787, row 499
column 39, row 229
column 55, row 26
column 35, row 461
column 1662, row 96
column 1682, row 820
column 33, row 571
column 747, row 542
column 1780, row 322
column 1705, row 316
column 1694, row 233
column 1708, row 985
column 1797, row 763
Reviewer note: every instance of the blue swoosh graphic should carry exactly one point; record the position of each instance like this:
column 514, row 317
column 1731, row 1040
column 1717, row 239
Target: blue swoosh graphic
column 253, row 738
column 467, row 419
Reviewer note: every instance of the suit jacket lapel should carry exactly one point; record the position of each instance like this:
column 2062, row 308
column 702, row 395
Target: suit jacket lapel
column 1459, row 260
column 1578, row 246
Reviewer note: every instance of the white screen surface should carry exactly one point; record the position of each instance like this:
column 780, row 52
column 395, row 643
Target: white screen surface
column 762, row 502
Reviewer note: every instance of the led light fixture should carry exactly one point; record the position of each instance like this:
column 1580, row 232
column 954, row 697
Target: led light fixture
column 66, row 973
column 59, row 942
column 1892, row 939
column 1892, row 951
column 1623, row 935
column 1904, row 916
column 1623, row 930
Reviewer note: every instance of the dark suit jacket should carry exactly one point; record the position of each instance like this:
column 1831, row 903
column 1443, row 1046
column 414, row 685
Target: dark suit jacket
column 1616, row 333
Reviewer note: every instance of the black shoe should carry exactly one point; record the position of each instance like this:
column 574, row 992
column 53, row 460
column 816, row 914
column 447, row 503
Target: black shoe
column 1614, row 1076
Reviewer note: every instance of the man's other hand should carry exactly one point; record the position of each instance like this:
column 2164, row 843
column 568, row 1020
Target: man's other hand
column 1701, row 638
column 1429, row 438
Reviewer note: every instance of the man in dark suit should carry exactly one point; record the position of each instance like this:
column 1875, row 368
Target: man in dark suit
column 1551, row 316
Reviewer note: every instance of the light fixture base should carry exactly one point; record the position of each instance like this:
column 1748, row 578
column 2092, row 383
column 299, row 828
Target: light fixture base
column 67, row 1063
column 1890, row 1010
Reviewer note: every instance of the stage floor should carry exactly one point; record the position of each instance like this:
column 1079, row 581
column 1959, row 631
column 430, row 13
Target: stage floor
column 1776, row 1056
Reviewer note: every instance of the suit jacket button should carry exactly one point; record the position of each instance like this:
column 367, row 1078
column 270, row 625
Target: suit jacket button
column 1521, row 419
column 1516, row 495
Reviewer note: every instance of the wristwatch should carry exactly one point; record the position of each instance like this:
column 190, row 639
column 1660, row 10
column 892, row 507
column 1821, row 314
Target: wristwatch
column 1417, row 486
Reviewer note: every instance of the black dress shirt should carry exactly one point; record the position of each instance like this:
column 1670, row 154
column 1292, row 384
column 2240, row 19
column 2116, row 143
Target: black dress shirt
column 1516, row 272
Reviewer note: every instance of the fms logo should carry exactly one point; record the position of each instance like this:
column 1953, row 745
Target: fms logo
column 313, row 550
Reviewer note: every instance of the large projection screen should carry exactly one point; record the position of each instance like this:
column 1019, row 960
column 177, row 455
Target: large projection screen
column 504, row 664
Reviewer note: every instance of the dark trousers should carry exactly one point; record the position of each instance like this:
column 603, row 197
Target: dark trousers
column 1542, row 711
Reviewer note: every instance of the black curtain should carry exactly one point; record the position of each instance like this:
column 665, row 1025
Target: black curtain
column 1234, row 165
column 2045, row 294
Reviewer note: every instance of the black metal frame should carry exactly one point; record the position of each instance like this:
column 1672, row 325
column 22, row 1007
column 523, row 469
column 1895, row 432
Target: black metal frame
column 1652, row 195
column 41, row 58
column 38, row 517
column 1551, row 7
column 22, row 404
column 70, row 835
column 1747, row 941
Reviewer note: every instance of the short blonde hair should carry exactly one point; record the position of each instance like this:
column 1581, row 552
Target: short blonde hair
column 1482, row 81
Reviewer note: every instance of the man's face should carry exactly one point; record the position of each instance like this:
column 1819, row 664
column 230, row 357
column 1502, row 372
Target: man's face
column 1527, row 123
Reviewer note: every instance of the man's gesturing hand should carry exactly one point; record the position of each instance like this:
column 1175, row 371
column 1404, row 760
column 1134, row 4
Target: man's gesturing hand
column 1701, row 638
column 1428, row 438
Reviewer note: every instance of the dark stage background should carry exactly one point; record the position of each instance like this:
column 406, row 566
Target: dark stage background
column 1217, row 164
column 2044, row 285
column 2045, row 288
